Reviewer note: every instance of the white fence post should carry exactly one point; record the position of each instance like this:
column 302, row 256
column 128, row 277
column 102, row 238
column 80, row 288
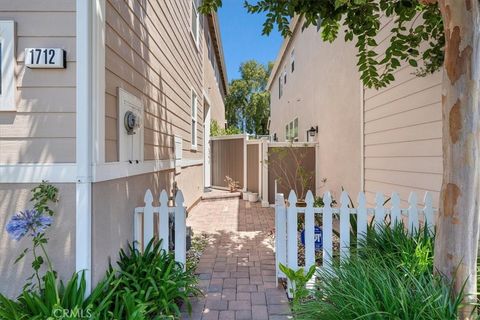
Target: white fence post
column 180, row 230
column 148, row 219
column 344, row 226
column 163, row 221
column 292, row 230
column 428, row 212
column 362, row 218
column 412, row 213
column 309, row 231
column 395, row 211
column 280, row 233
column 327, row 230
column 379, row 210
column 292, row 237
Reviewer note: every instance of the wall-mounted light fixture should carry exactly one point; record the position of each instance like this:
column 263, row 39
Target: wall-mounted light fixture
column 312, row 132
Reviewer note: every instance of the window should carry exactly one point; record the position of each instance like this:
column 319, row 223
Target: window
column 7, row 66
column 195, row 22
column 291, row 130
column 194, row 119
column 292, row 60
column 285, row 75
column 209, row 47
column 280, row 87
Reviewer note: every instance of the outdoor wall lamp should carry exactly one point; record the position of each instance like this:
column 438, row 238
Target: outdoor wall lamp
column 312, row 132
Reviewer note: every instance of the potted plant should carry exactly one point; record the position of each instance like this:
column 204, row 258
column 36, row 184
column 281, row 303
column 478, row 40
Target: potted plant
column 232, row 184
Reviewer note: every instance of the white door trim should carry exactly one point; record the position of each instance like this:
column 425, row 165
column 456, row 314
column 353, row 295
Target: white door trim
column 207, row 173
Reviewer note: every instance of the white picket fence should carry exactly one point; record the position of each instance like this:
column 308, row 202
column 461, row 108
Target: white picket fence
column 144, row 223
column 286, row 223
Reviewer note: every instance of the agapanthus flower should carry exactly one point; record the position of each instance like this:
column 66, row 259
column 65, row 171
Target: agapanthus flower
column 29, row 222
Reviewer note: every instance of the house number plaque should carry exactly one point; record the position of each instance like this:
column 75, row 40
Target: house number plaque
column 52, row 58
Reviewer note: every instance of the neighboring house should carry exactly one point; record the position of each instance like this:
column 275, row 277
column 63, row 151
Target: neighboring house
column 372, row 140
column 161, row 60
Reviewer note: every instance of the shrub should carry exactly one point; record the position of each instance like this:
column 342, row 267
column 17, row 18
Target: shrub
column 391, row 277
column 56, row 301
column 149, row 284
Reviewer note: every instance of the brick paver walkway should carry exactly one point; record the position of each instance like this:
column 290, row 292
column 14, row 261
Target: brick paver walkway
column 237, row 272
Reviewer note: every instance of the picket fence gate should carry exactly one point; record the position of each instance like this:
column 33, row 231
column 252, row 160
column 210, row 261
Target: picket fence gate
column 144, row 223
column 286, row 224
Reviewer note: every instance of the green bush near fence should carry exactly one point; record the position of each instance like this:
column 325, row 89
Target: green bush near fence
column 390, row 278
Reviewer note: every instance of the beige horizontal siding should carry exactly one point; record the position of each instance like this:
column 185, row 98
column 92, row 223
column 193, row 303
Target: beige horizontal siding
column 403, row 134
column 150, row 53
column 43, row 127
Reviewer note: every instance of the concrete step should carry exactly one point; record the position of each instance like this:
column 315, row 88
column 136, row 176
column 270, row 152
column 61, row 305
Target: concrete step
column 215, row 194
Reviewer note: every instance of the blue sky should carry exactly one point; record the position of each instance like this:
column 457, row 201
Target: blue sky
column 242, row 37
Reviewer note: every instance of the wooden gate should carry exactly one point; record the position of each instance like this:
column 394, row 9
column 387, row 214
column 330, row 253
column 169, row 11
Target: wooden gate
column 228, row 159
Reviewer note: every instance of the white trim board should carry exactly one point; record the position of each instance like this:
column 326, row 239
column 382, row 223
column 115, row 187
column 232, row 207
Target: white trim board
column 35, row 173
column 229, row 137
column 67, row 172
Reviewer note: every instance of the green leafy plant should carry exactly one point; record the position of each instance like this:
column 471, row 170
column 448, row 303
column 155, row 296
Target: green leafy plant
column 216, row 130
column 371, row 288
column 299, row 279
column 390, row 277
column 148, row 284
column 412, row 23
column 33, row 223
column 56, row 301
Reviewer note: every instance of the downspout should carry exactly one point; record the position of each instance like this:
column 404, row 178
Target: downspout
column 83, row 232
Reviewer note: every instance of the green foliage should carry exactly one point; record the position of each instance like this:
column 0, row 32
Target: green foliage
column 56, row 301
column 412, row 23
column 390, row 277
column 248, row 101
column 148, row 285
column 413, row 253
column 43, row 195
column 299, row 279
column 216, row 130
column 145, row 286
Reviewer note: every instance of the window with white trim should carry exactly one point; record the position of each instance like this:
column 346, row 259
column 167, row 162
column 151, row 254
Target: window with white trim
column 292, row 60
column 291, row 130
column 280, row 86
column 194, row 119
column 7, row 66
column 195, row 27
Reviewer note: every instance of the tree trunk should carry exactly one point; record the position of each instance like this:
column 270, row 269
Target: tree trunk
column 458, row 222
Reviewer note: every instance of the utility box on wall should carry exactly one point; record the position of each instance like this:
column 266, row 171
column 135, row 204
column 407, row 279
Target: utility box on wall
column 130, row 127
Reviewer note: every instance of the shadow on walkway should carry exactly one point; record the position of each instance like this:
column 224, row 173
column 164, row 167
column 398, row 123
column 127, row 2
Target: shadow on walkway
column 237, row 271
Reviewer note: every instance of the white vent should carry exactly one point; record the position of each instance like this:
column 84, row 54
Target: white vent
column 130, row 127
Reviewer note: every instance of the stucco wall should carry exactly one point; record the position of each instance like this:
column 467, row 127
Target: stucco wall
column 114, row 202
column 322, row 91
column 43, row 127
column 61, row 245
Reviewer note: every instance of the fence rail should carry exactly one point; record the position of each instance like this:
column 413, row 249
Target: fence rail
column 286, row 223
column 144, row 223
